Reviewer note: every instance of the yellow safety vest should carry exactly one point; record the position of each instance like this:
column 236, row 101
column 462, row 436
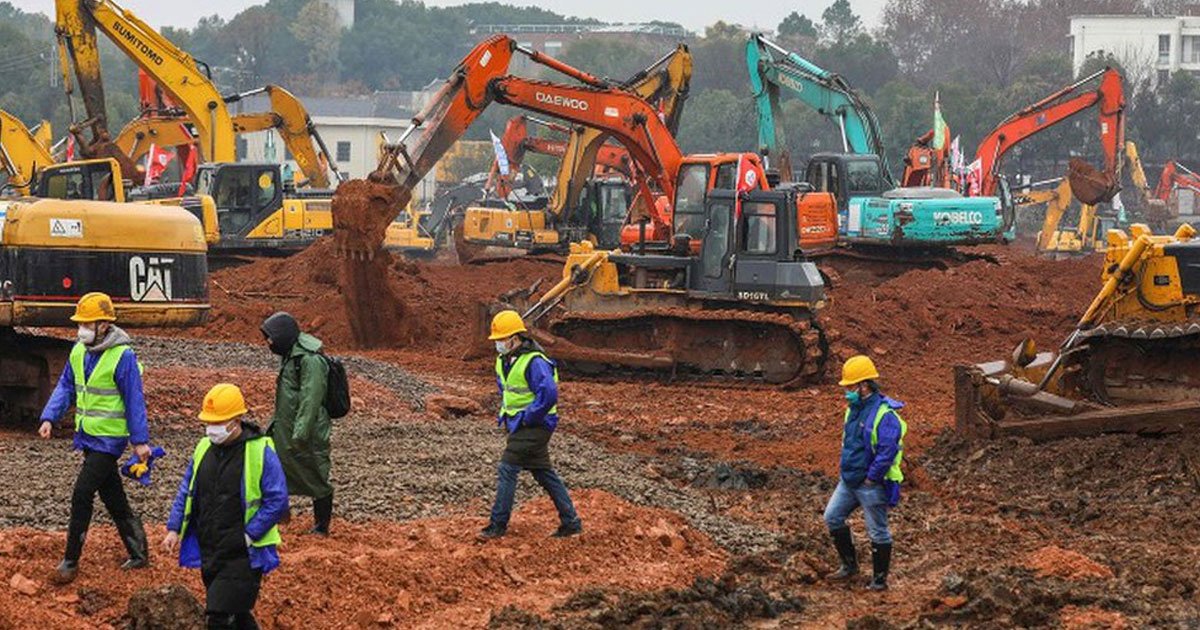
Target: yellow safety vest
column 893, row 473
column 252, row 475
column 517, row 395
column 99, row 408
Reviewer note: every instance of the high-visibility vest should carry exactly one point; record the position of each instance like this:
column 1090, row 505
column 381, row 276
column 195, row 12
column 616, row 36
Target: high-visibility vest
column 893, row 473
column 99, row 408
column 252, row 476
column 517, row 395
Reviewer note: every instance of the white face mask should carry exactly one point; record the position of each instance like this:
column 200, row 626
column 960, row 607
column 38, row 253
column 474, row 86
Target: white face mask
column 502, row 347
column 218, row 433
column 86, row 335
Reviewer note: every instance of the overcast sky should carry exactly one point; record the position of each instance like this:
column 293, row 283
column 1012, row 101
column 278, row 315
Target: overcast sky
column 694, row 14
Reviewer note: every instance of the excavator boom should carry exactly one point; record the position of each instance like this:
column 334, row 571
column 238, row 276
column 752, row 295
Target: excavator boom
column 1108, row 97
column 22, row 153
column 772, row 67
column 175, row 70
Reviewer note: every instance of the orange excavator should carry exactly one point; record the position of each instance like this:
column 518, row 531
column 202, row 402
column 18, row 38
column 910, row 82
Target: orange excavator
column 1178, row 189
column 926, row 165
column 742, row 308
column 1089, row 185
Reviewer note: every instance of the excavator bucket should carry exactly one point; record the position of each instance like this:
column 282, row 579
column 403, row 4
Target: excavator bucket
column 1091, row 185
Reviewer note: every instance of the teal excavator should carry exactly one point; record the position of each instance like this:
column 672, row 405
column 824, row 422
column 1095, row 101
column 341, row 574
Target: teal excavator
column 873, row 213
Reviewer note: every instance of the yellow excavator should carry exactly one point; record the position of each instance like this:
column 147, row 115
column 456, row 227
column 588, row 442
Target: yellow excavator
column 23, row 151
column 583, row 207
column 255, row 210
column 1129, row 365
column 1088, row 236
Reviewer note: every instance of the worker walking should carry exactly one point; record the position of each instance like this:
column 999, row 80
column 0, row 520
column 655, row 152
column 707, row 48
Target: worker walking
column 226, row 512
column 103, row 380
column 301, row 425
column 528, row 383
column 872, row 449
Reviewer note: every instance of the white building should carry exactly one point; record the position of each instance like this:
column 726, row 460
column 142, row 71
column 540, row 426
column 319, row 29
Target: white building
column 1148, row 47
column 349, row 126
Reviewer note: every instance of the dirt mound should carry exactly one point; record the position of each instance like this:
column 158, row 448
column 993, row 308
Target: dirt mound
column 392, row 303
column 170, row 607
column 424, row 573
column 1067, row 564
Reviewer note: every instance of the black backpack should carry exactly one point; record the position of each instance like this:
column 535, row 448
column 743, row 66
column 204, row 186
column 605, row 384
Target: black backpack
column 337, row 386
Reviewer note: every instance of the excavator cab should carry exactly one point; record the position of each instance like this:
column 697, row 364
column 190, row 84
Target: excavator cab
column 603, row 205
column 252, row 212
column 97, row 180
column 845, row 176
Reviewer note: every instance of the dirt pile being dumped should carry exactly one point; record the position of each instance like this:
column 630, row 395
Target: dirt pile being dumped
column 362, row 210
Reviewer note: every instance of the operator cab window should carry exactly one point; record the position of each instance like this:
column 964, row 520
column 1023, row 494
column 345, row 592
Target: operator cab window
column 616, row 202
column 65, row 185
column 689, row 200
column 863, row 177
column 726, row 177
column 102, row 189
column 758, row 228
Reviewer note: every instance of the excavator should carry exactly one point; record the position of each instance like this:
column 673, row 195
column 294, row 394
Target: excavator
column 150, row 259
column 252, row 211
column 927, row 165
column 1089, row 185
column 1088, row 236
column 23, row 151
column 876, row 219
column 583, row 206
column 743, row 307
column 1178, row 191
column 1129, row 364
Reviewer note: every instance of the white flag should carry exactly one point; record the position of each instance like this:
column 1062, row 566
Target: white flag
column 501, row 155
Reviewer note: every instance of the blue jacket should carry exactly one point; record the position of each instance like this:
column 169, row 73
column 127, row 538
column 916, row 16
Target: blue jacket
column 129, row 383
column 859, row 460
column 540, row 375
column 274, row 505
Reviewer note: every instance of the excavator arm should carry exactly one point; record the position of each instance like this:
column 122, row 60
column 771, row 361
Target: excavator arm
column 772, row 67
column 175, row 70
column 477, row 81
column 22, row 152
column 665, row 82
column 287, row 116
column 1108, row 97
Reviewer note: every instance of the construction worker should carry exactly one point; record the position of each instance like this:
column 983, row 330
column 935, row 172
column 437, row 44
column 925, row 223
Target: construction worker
column 872, row 449
column 301, row 425
column 103, row 380
column 227, row 509
column 528, row 383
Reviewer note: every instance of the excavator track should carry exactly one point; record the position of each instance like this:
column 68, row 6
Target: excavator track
column 1140, row 362
column 723, row 345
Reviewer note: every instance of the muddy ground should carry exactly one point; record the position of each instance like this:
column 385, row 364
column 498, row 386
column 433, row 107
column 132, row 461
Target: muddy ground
column 701, row 504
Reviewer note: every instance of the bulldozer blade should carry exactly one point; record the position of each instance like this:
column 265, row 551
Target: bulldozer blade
column 1090, row 185
column 977, row 417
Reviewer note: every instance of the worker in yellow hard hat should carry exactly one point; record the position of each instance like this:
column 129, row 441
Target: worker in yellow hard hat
column 103, row 381
column 528, row 382
column 872, row 450
column 226, row 512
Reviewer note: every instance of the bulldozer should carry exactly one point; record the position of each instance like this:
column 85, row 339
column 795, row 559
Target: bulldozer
column 741, row 311
column 1131, row 364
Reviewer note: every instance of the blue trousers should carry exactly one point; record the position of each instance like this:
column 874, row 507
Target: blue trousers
column 874, row 502
column 506, row 491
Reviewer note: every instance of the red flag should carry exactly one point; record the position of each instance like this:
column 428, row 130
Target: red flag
column 187, row 155
column 70, row 148
column 747, row 174
column 156, row 163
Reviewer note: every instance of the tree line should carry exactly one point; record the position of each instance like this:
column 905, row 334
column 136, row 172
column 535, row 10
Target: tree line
column 983, row 58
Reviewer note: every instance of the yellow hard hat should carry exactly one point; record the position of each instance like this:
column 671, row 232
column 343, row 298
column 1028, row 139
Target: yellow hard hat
column 223, row 403
column 506, row 324
column 94, row 307
column 857, row 369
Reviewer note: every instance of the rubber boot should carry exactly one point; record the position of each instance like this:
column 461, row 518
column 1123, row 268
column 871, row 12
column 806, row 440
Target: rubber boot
column 134, row 537
column 322, row 514
column 881, row 560
column 65, row 572
column 844, row 543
